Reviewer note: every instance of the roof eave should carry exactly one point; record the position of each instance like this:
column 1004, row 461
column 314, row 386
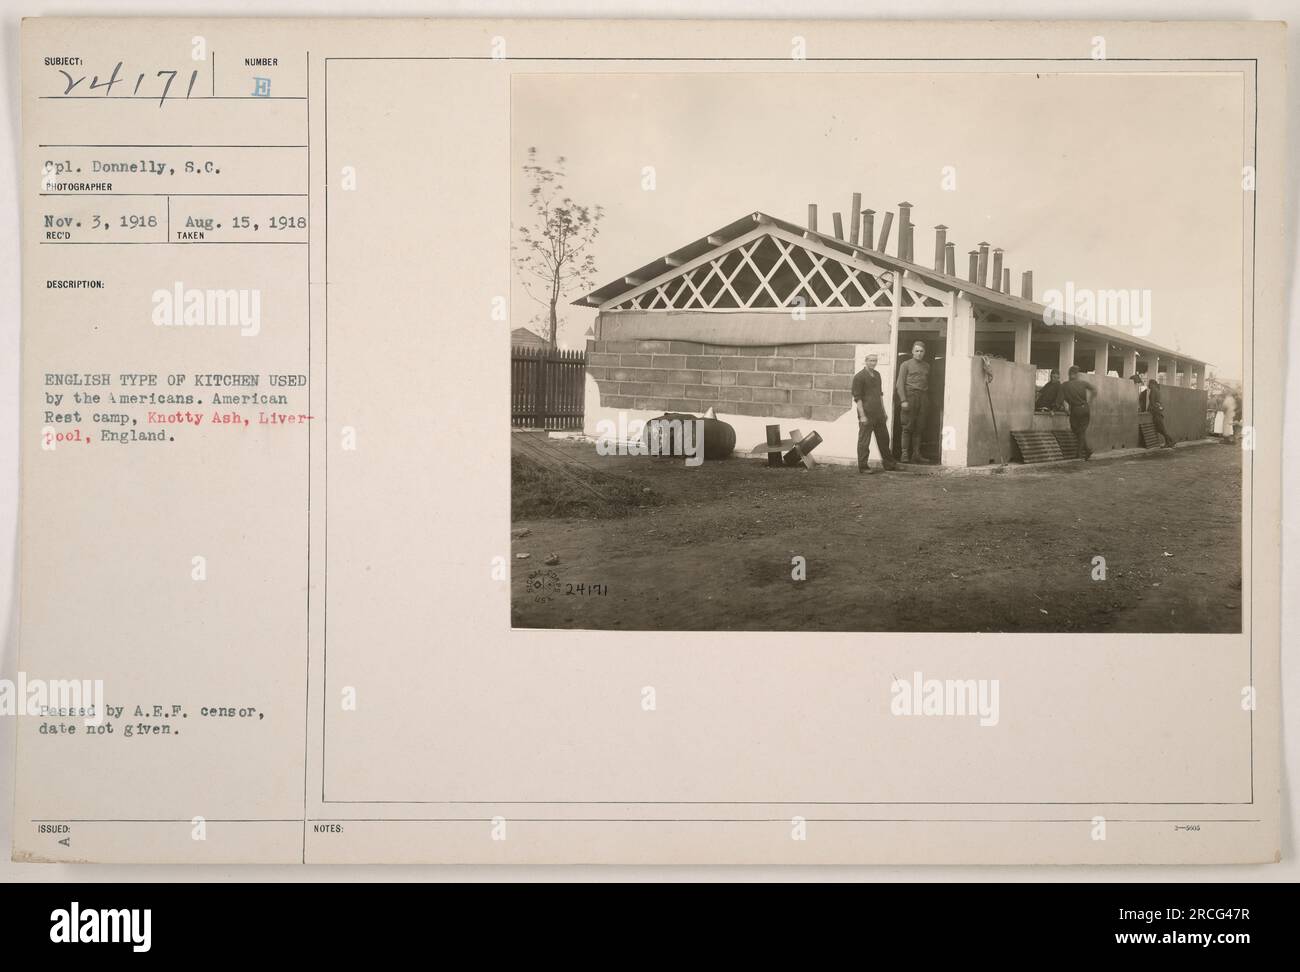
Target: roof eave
column 983, row 294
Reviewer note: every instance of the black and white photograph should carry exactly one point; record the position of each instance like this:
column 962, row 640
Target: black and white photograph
column 663, row 444
column 952, row 351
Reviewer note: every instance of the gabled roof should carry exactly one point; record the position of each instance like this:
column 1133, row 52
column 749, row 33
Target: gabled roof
column 984, row 297
column 522, row 335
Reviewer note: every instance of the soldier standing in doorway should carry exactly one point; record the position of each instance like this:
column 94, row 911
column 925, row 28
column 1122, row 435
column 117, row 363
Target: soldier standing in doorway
column 867, row 400
column 913, row 387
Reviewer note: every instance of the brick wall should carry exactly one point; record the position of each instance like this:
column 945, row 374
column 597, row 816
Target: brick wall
column 792, row 381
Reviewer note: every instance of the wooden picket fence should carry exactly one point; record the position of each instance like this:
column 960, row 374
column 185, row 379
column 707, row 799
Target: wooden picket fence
column 547, row 388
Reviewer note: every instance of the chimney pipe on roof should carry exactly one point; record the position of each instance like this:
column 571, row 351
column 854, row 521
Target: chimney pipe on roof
column 812, row 217
column 868, row 227
column 855, row 218
column 983, row 268
column 997, row 269
column 950, row 259
column 1027, row 285
column 940, row 244
column 884, row 232
column 974, row 265
column 1006, row 280
column 838, row 221
column 904, row 230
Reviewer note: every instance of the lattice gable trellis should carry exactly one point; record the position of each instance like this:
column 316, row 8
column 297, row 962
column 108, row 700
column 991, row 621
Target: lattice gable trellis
column 770, row 273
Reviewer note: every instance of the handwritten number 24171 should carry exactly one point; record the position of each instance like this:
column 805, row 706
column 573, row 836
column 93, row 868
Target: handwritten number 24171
column 114, row 79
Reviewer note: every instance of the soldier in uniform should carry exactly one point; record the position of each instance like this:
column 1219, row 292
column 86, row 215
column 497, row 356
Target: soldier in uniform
column 1077, row 395
column 913, row 387
column 867, row 400
column 1048, row 398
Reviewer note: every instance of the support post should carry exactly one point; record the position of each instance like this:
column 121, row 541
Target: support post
column 958, row 362
column 1066, row 359
column 1101, row 361
column 1024, row 334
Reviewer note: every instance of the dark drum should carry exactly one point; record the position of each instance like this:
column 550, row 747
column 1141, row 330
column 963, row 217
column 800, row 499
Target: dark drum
column 719, row 437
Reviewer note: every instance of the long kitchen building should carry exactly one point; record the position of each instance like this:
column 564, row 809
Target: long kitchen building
column 766, row 321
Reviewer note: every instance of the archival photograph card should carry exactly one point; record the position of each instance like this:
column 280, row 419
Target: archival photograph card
column 650, row 443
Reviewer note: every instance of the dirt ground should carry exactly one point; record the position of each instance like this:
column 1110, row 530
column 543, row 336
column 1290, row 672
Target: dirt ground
column 898, row 551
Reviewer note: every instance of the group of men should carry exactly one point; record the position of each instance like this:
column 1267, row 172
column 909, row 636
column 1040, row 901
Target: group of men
column 913, row 390
column 1076, row 394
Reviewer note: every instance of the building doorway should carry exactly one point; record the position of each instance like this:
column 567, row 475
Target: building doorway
column 935, row 353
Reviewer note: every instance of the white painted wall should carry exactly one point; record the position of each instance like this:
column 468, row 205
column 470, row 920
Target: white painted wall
column 839, row 438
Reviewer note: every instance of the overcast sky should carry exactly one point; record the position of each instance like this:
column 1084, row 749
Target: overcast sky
column 1107, row 181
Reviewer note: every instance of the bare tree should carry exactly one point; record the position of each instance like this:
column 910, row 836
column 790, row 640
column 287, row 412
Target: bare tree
column 553, row 252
